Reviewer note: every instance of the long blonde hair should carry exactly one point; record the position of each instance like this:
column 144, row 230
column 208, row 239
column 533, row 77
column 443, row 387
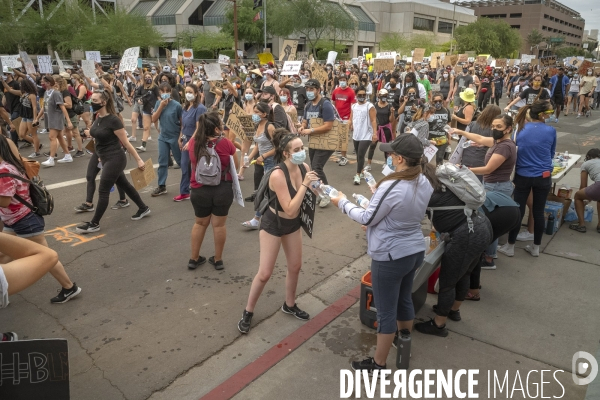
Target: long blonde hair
column 61, row 82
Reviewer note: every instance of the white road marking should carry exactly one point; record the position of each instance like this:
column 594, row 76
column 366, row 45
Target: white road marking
column 590, row 123
column 78, row 181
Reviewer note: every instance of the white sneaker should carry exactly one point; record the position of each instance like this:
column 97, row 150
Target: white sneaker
column 324, row 201
column 141, row 149
column 49, row 162
column 506, row 251
column 132, row 139
column 67, row 158
column 532, row 251
column 149, row 138
column 524, row 236
column 367, row 168
column 43, row 131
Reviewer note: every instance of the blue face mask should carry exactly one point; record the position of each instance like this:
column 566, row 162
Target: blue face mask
column 310, row 95
column 165, row 96
column 390, row 164
column 249, row 97
column 283, row 99
column 299, row 157
column 256, row 118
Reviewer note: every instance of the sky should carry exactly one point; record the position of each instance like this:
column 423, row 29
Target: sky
column 589, row 10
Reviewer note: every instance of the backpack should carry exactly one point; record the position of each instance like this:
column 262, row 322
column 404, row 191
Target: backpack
column 42, row 202
column 464, row 184
column 209, row 171
column 78, row 105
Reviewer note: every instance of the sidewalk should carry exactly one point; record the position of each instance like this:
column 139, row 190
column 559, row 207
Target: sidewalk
column 535, row 313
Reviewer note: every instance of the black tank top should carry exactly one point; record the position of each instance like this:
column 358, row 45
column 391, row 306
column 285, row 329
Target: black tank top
column 293, row 192
column 383, row 114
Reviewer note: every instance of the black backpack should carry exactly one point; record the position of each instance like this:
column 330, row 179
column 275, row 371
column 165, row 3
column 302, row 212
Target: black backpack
column 43, row 202
column 78, row 105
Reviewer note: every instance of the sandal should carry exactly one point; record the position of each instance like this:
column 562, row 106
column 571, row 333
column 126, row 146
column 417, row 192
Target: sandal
column 473, row 297
column 250, row 225
column 578, row 228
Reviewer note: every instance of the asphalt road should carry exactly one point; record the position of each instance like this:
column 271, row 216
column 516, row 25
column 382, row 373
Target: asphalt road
column 143, row 318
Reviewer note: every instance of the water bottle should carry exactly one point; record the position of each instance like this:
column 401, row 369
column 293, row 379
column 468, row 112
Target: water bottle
column 403, row 350
column 447, row 128
column 246, row 160
column 370, row 180
column 324, row 190
column 550, row 225
column 566, row 155
column 447, row 153
column 361, row 200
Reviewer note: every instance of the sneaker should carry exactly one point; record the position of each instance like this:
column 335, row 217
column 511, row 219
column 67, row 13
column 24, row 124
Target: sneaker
column 43, row 131
column 177, row 166
column 530, row 250
column 295, row 311
column 453, row 315
column 67, row 158
column 158, row 191
column 524, row 236
column 132, row 139
column 9, row 337
column 181, row 197
column 324, row 201
column 120, row 204
column 367, row 168
column 356, row 180
column 34, row 155
column 141, row 149
column 78, row 154
column 217, row 264
column 25, row 145
column 343, row 161
column 579, row 115
column 88, row 152
column 142, row 212
column 71, row 149
column 65, row 295
column 487, row 265
column 49, row 162
column 193, row 264
column 88, row 227
column 244, row 324
column 84, row 207
column 149, row 138
column 250, row 199
column 430, row 328
column 367, row 364
column 506, row 251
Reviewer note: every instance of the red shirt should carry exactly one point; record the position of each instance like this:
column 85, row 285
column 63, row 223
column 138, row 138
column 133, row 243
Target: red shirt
column 224, row 149
column 343, row 99
column 8, row 187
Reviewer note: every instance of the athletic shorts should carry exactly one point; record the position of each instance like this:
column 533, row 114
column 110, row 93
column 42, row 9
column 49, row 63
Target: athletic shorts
column 3, row 289
column 28, row 226
column 215, row 200
column 558, row 100
column 268, row 223
column 593, row 191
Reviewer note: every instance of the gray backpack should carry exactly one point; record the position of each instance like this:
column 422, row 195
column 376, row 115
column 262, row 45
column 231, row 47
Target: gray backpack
column 464, row 184
column 208, row 168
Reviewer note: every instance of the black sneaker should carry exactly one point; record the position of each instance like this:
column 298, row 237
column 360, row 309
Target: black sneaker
column 65, row 295
column 453, row 315
column 9, row 337
column 78, row 154
column 430, row 328
column 244, row 324
column 142, row 212
column 217, row 264
column 487, row 265
column 25, row 145
column 84, row 207
column 367, row 364
column 295, row 311
column 193, row 264
column 120, row 204
column 88, row 227
column 250, row 199
column 158, row 191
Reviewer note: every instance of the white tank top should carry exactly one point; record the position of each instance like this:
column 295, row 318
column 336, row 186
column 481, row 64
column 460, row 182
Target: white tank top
column 361, row 123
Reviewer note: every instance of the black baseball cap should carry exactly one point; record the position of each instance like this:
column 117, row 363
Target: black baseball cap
column 268, row 89
column 313, row 83
column 405, row 145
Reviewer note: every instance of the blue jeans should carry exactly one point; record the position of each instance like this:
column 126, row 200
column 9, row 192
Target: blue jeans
column 392, row 288
column 184, row 185
column 166, row 145
column 500, row 187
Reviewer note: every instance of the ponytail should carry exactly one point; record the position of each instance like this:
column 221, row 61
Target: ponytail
column 208, row 123
column 281, row 140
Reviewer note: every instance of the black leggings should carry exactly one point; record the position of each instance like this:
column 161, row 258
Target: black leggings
column 496, row 98
column 361, row 147
column 503, row 220
column 484, row 98
column 373, row 146
column 540, row 188
column 112, row 173
column 92, row 172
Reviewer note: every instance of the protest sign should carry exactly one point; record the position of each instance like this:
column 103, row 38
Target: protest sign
column 11, row 61
column 216, row 85
column 368, row 57
column 387, row 54
column 140, row 178
column 44, row 64
column 383, row 64
column 213, row 72
column 463, row 58
column 61, row 66
column 354, row 61
column 223, row 59
column 450, row 60
column 29, row 67
column 88, row 67
column 34, row 369
column 418, row 55
column 288, row 50
column 93, row 55
column 242, row 126
column 302, row 56
column 331, row 56
column 526, row 58
column 481, row 60
column 549, row 61
column 129, row 60
column 307, row 212
column 318, row 73
column 436, row 57
column 291, row 68
column 265, row 58
column 335, row 139
column 585, row 65
column 501, row 63
column 188, row 54
column 430, row 151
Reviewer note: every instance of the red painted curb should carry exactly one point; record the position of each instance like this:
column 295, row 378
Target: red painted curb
column 255, row 369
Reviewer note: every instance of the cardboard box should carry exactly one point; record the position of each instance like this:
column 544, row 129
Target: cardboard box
column 565, row 202
column 556, row 209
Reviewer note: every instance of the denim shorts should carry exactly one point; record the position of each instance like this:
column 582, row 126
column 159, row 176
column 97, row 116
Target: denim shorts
column 137, row 108
column 29, row 226
column 3, row 289
column 500, row 187
column 26, row 119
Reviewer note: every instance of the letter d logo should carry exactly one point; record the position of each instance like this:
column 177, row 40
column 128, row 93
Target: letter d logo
column 579, row 366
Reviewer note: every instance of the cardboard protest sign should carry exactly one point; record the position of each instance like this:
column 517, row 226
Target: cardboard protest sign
column 549, row 61
column 34, row 369
column 450, row 60
column 216, row 85
column 242, row 126
column 307, row 212
column 238, row 197
column 335, row 139
column 383, row 64
column 501, row 63
column 585, row 65
column 318, row 73
column 213, row 72
column 140, row 178
column 535, row 61
column 481, row 60
column 88, row 67
column 265, row 58
column 463, row 58
column 29, row 67
column 129, row 60
column 291, row 68
column 91, row 145
column 61, row 66
column 436, row 57
column 93, row 55
column 223, row 59
column 288, row 50
column 418, row 55
column 302, row 56
column 11, row 61
column 45, row 64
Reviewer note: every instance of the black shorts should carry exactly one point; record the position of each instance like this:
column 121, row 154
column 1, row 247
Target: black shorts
column 215, row 200
column 268, row 223
column 558, row 100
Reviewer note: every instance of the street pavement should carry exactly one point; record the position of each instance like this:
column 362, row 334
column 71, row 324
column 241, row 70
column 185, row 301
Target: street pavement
column 145, row 326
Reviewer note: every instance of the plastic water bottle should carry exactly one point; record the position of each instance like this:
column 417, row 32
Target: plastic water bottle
column 403, row 350
column 361, row 200
column 324, row 190
column 370, row 180
column 246, row 160
column 447, row 128
column 566, row 155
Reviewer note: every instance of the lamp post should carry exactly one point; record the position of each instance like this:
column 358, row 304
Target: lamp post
column 235, row 30
column 453, row 24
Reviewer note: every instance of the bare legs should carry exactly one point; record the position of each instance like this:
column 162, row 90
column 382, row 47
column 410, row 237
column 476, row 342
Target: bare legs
column 219, row 234
column 57, row 138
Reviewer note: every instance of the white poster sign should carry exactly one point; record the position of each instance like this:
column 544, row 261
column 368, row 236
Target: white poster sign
column 174, row 54
column 387, row 54
column 430, row 152
column 223, row 59
column 129, row 61
column 11, row 61
column 61, row 66
column 240, row 53
column 29, row 67
column 213, row 72
column 237, row 190
column 188, row 54
column 291, row 68
column 456, row 157
column 88, row 67
column 93, row 56
column 45, row 64
column 331, row 57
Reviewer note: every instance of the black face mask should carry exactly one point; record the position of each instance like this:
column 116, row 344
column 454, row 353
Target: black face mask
column 497, row 134
column 148, row 81
column 96, row 107
column 265, row 100
column 392, row 85
column 361, row 99
column 411, row 97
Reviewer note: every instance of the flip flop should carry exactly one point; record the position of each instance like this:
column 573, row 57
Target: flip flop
column 578, row 228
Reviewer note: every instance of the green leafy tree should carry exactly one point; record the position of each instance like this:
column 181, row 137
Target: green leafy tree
column 213, row 41
column 249, row 31
column 565, row 52
column 185, row 38
column 534, row 38
column 423, row 41
column 488, row 36
column 394, row 41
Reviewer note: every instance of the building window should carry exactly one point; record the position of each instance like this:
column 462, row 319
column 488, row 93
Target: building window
column 516, row 26
column 546, row 16
column 423, row 24
column 494, row 16
column 517, row 15
column 444, row 27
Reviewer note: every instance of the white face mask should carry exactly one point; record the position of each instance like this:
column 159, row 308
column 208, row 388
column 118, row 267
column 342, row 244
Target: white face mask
column 445, row 75
column 189, row 96
column 589, row 73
